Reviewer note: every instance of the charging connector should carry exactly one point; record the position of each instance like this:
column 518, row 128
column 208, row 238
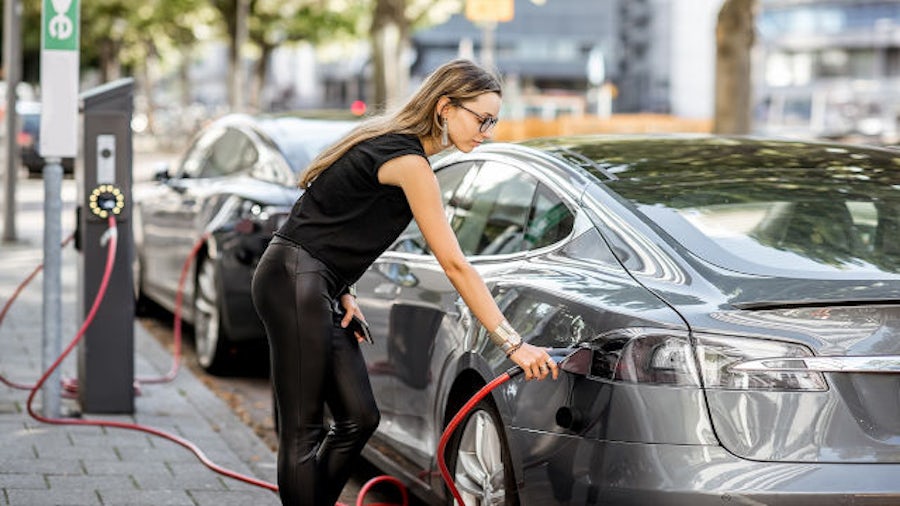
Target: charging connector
column 106, row 200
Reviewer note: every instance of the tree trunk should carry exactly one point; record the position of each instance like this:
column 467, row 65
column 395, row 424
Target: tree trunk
column 184, row 79
column 145, row 82
column 390, row 40
column 734, row 40
column 110, row 70
column 259, row 76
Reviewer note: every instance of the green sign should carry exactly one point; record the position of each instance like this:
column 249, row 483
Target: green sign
column 59, row 20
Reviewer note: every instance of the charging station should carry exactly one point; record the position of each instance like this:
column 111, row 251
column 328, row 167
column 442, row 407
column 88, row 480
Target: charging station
column 106, row 353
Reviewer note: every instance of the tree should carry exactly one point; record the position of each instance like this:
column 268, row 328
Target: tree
column 272, row 23
column 392, row 24
column 733, row 85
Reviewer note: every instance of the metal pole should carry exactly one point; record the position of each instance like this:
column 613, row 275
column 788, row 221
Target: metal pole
column 12, row 11
column 53, row 176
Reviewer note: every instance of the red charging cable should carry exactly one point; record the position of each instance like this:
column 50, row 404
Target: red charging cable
column 179, row 298
column 458, row 418
column 70, row 386
column 9, row 303
column 110, row 261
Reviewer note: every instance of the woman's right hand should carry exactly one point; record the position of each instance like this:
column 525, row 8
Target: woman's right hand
column 535, row 362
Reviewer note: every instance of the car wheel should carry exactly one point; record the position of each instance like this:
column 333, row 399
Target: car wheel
column 210, row 338
column 479, row 459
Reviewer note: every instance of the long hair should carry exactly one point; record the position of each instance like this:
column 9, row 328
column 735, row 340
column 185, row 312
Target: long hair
column 458, row 80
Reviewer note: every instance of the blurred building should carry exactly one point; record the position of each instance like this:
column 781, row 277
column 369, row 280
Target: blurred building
column 587, row 56
column 829, row 68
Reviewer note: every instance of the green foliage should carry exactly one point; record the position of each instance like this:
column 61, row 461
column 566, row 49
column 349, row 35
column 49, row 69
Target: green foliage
column 125, row 33
column 122, row 30
column 275, row 22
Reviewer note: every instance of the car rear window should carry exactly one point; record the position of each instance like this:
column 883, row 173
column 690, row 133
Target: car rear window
column 812, row 207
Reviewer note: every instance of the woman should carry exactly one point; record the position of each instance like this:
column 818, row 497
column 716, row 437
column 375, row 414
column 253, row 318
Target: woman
column 360, row 195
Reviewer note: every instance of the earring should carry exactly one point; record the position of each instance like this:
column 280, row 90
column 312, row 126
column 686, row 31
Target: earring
column 445, row 135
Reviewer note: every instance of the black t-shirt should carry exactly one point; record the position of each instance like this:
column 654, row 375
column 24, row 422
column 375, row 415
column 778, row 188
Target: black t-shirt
column 346, row 218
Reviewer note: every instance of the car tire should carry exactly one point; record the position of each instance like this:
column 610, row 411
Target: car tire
column 478, row 459
column 210, row 337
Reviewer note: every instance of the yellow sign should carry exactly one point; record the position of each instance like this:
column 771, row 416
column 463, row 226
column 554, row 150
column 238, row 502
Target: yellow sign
column 489, row 10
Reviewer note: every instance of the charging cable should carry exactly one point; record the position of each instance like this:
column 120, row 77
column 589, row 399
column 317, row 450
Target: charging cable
column 9, row 303
column 176, row 325
column 110, row 260
column 458, row 418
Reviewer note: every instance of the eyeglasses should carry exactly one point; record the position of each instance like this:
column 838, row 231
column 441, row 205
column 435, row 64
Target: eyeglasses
column 487, row 122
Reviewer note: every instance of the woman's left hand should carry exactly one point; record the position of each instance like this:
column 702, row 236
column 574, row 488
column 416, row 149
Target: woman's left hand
column 351, row 309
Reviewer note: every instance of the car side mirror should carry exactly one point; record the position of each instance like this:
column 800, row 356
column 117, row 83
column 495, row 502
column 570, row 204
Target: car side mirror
column 161, row 172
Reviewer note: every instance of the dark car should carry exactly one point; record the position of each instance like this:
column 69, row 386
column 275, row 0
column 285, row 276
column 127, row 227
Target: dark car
column 29, row 140
column 235, row 184
column 737, row 301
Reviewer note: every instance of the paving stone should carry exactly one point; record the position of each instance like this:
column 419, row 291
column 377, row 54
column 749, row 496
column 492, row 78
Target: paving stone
column 66, row 497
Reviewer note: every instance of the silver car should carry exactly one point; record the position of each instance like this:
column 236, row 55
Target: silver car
column 738, row 301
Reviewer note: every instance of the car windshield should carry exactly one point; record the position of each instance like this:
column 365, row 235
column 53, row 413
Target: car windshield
column 300, row 140
column 804, row 207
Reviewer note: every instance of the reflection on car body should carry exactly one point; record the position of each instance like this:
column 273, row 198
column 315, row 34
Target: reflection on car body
column 236, row 182
column 699, row 271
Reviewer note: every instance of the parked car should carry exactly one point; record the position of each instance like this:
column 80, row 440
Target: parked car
column 738, row 300
column 236, row 182
column 29, row 140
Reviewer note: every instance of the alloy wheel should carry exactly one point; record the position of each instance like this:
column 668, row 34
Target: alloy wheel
column 207, row 319
column 480, row 474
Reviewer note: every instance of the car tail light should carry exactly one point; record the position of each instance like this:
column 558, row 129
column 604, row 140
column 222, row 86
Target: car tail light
column 668, row 357
column 645, row 356
column 25, row 139
column 718, row 354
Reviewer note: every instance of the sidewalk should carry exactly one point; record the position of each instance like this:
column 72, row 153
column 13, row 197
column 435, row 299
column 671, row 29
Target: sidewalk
column 68, row 465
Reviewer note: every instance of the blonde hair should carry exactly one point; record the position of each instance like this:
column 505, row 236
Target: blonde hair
column 458, row 80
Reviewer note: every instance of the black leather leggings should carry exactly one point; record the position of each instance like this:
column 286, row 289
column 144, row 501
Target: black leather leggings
column 314, row 362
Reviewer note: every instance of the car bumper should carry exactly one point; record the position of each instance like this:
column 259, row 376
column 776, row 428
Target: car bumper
column 35, row 163
column 575, row 471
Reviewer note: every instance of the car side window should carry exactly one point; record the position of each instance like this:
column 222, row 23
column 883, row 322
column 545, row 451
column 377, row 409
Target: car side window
column 550, row 221
column 232, row 152
column 411, row 240
column 273, row 168
column 490, row 214
column 196, row 156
